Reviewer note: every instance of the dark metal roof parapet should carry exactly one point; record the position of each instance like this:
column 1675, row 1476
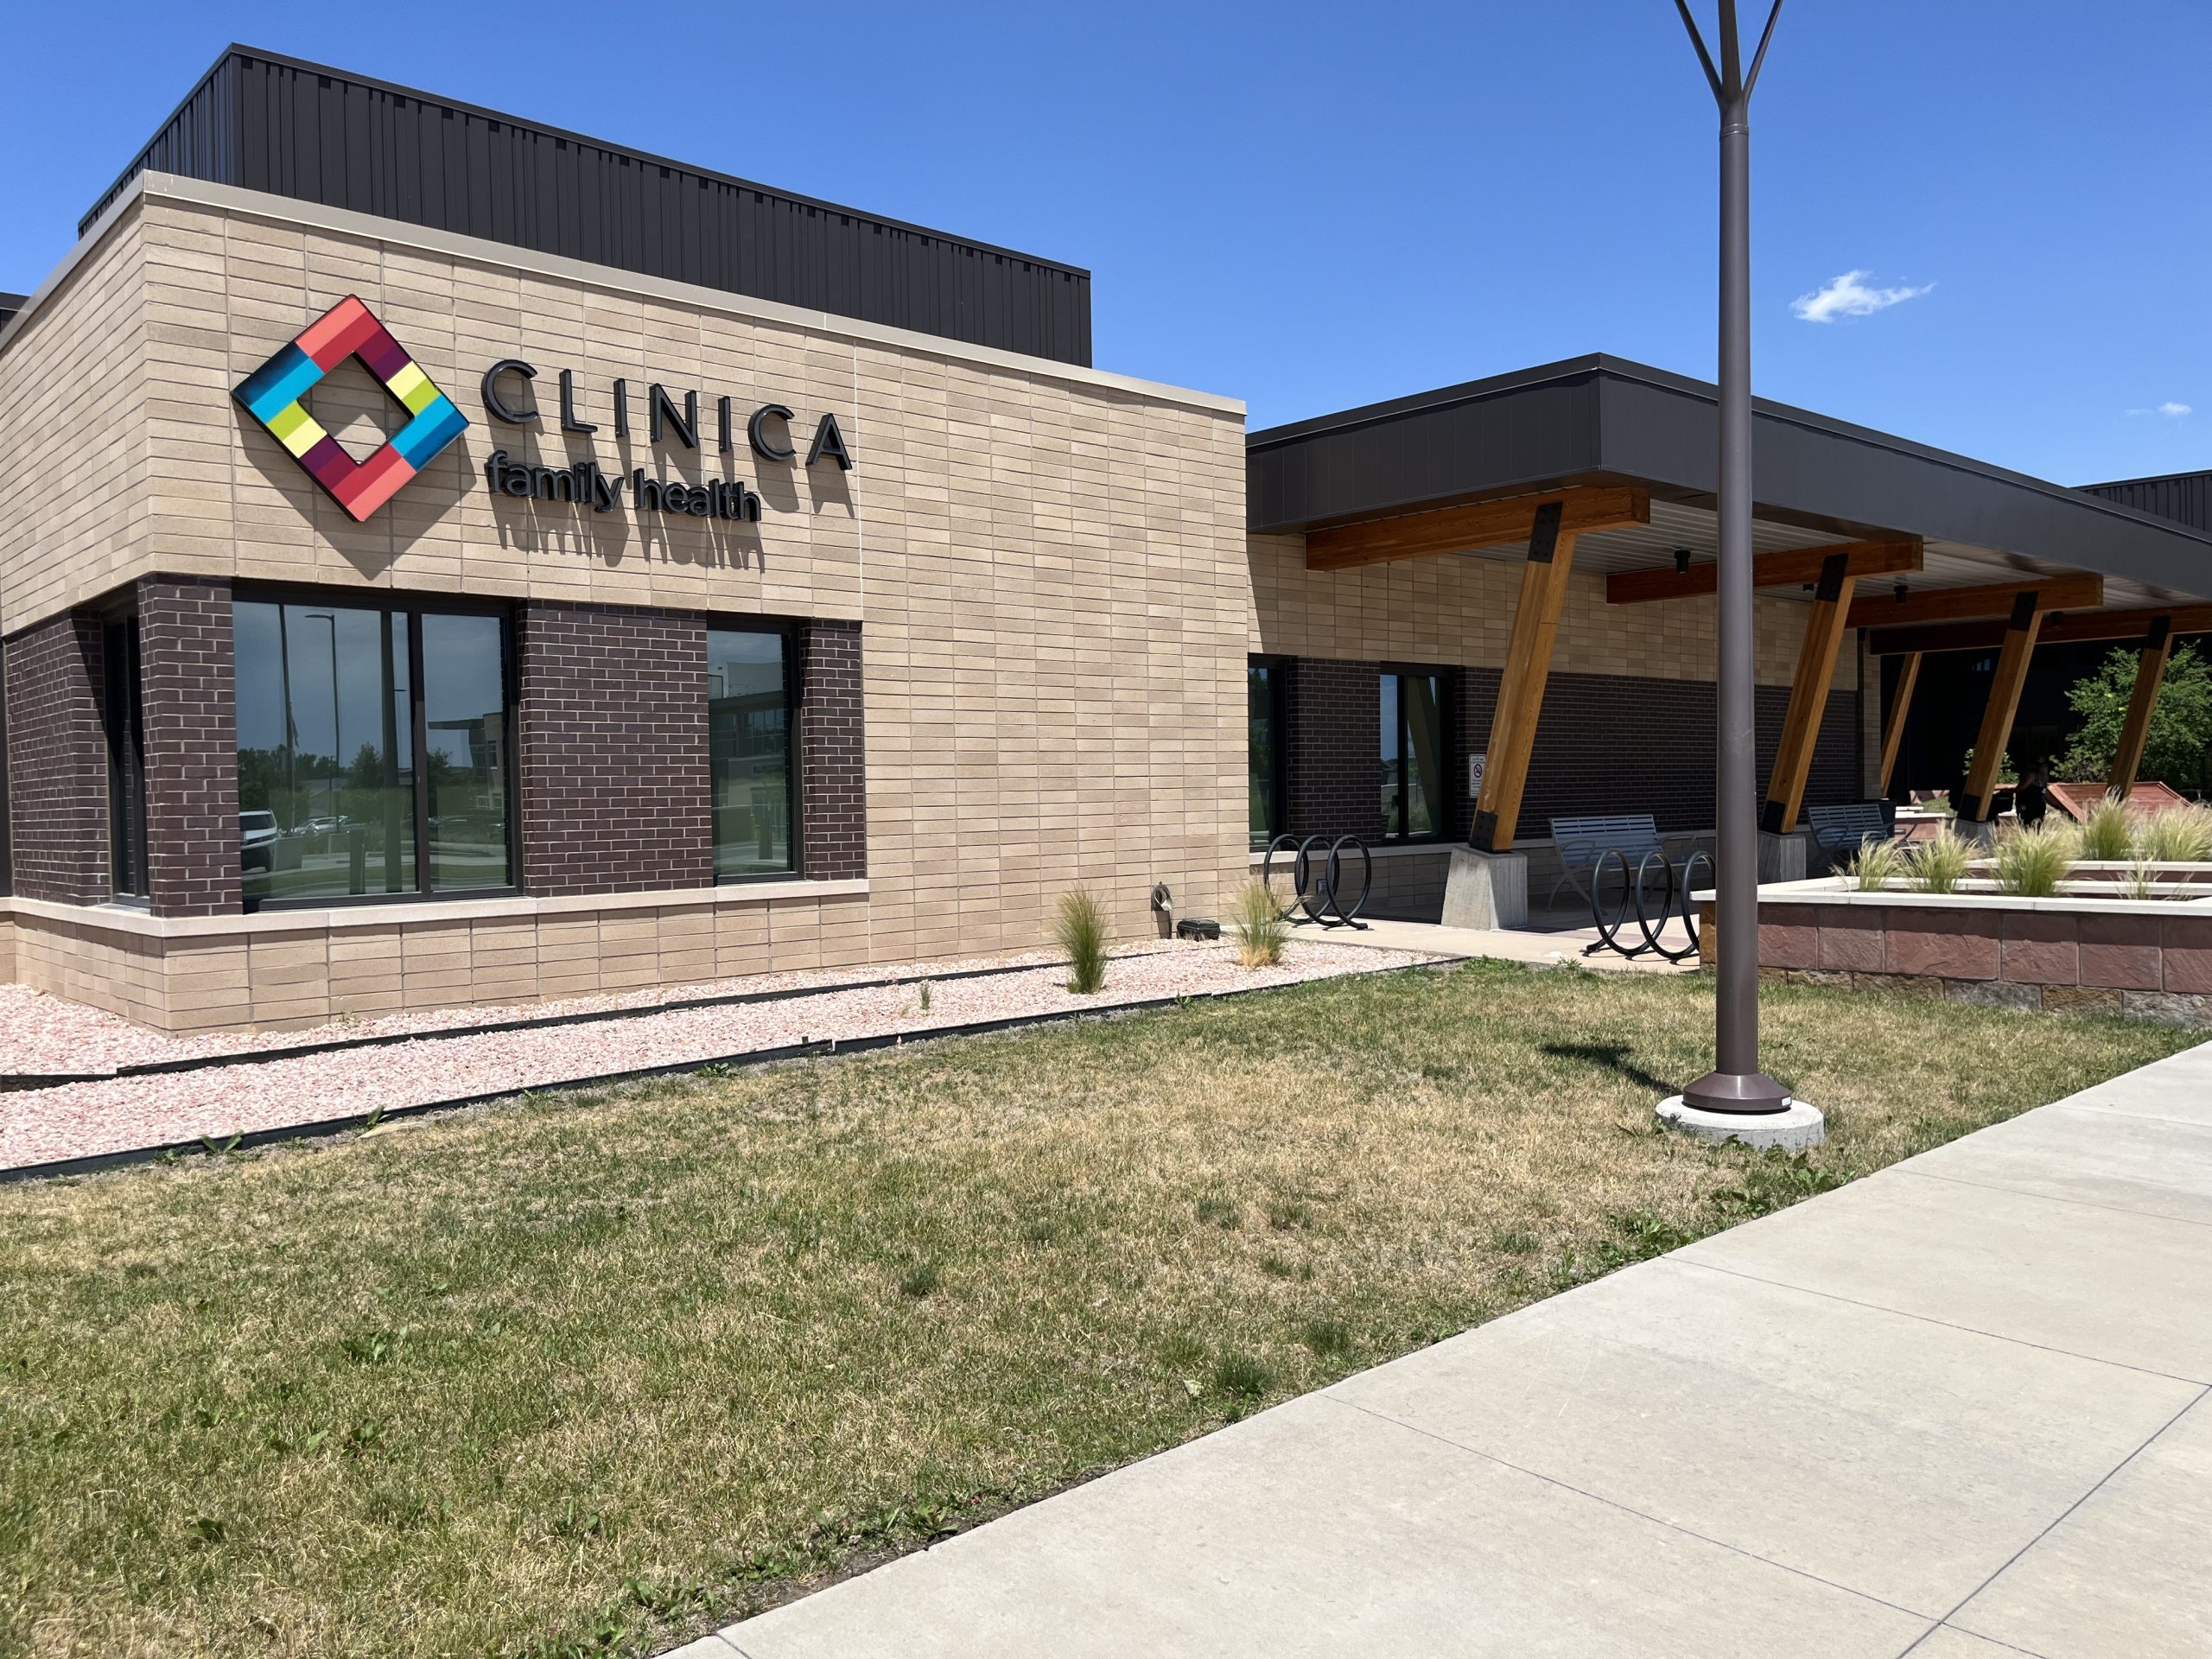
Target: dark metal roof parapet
column 555, row 191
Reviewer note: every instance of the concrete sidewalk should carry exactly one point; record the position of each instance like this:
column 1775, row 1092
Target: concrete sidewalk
column 1957, row 1409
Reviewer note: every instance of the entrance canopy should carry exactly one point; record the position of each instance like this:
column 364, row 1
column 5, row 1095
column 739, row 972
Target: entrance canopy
column 1959, row 553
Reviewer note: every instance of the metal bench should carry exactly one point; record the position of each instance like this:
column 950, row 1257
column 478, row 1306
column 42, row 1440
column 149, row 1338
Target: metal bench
column 1841, row 831
column 1581, row 842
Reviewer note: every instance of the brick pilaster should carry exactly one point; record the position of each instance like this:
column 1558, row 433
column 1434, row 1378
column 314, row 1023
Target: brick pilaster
column 57, row 762
column 616, row 791
column 189, row 687
column 832, row 753
column 1334, row 755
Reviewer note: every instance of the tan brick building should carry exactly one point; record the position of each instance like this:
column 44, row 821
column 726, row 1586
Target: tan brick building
column 449, row 560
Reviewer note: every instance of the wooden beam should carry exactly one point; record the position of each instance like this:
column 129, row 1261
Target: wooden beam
column 2072, row 627
column 1808, row 694
column 1521, row 690
column 1996, row 732
column 1792, row 568
column 1953, row 604
column 1485, row 523
column 2135, row 731
column 1893, row 733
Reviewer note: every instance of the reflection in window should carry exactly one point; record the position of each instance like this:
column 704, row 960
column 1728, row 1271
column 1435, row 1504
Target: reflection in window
column 331, row 711
column 1263, row 749
column 464, row 750
column 749, row 747
column 1415, row 802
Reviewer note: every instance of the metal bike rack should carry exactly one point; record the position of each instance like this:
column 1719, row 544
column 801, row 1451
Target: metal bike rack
column 1317, row 882
column 1632, row 890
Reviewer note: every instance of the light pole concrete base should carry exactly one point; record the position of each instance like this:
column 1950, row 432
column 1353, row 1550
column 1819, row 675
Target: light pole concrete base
column 1793, row 1129
column 1488, row 891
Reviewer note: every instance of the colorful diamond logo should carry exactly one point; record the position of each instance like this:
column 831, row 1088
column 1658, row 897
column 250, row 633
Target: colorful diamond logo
column 274, row 394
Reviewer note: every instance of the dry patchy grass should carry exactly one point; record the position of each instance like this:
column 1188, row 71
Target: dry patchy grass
column 575, row 1376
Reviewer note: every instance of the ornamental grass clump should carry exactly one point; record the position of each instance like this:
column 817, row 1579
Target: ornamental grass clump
column 1259, row 925
column 2030, row 863
column 2181, row 837
column 1080, row 930
column 2107, row 834
column 1939, row 865
column 1875, row 865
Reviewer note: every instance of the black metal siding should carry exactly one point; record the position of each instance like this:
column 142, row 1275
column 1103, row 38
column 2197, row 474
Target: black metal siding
column 2183, row 496
column 315, row 134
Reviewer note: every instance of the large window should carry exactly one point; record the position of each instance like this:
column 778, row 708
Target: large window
column 1415, row 805
column 374, row 751
column 1263, row 696
column 749, row 750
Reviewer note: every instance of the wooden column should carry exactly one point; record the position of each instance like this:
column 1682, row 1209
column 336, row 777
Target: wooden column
column 1809, row 695
column 2020, row 631
column 2150, row 671
column 1521, row 692
column 1893, row 733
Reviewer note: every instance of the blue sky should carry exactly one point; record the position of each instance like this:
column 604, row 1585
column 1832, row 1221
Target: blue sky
column 1311, row 208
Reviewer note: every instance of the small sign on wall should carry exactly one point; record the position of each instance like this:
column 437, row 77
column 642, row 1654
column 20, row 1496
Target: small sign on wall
column 1475, row 775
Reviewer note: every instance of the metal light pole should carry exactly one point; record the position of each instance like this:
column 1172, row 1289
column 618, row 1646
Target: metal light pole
column 1735, row 1085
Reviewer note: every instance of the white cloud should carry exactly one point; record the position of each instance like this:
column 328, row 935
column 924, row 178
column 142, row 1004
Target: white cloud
column 1848, row 296
column 2169, row 408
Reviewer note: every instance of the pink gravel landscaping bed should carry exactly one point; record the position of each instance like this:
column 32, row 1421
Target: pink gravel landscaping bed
column 50, row 1036
column 117, row 1114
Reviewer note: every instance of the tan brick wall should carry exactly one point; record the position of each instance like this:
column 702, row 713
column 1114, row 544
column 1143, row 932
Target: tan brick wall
column 1049, row 564
column 72, row 426
column 299, row 969
column 1460, row 610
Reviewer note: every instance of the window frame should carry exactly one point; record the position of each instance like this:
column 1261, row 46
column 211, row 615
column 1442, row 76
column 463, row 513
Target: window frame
column 130, row 679
column 413, row 607
column 1441, row 810
column 791, row 632
column 1278, row 672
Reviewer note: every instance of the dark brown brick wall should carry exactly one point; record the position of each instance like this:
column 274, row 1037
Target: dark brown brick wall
column 1333, row 755
column 615, row 795
column 1605, row 743
column 832, row 753
column 57, row 762
column 192, row 761
column 1609, row 743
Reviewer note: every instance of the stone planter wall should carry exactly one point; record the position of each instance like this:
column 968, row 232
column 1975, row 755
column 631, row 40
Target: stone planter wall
column 2149, row 960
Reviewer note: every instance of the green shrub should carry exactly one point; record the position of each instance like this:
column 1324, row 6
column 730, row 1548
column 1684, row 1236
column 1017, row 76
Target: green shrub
column 1939, row 865
column 2141, row 881
column 2033, row 862
column 2181, row 837
column 1080, row 930
column 1259, row 925
column 2105, row 833
column 1875, row 867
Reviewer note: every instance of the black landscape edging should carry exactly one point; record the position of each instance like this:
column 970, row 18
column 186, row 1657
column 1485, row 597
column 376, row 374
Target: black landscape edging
column 825, row 1049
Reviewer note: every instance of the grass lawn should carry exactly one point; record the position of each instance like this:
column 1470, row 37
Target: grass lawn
column 577, row 1375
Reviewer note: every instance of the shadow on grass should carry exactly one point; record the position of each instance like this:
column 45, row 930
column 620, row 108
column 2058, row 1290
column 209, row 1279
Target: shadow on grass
column 1614, row 1058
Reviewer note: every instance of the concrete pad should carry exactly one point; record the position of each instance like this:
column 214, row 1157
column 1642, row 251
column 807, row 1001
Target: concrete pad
column 2105, row 1284
column 1316, row 1531
column 2129, row 1573
column 707, row 1647
column 1908, row 1460
column 2153, row 1166
column 2178, row 1089
column 1948, row 1642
